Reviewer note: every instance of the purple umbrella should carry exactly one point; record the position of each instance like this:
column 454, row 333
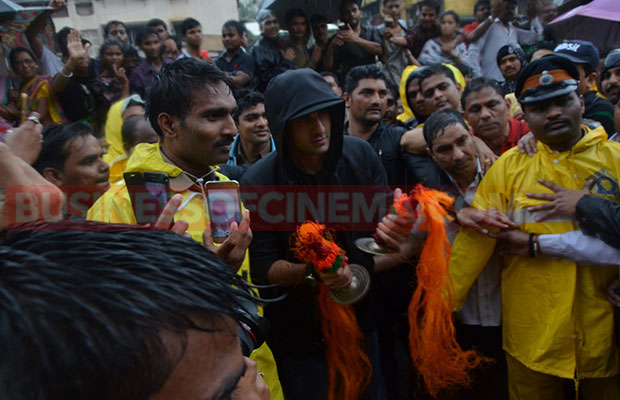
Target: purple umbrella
column 597, row 22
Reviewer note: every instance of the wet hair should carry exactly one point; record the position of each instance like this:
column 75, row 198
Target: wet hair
column 356, row 74
column 481, row 3
column 171, row 91
column 84, row 306
column 437, row 123
column 57, row 141
column 109, row 43
column 477, row 84
column 436, row 69
column 145, row 34
column 317, row 19
column 429, row 4
column 16, row 51
column 246, row 99
column 235, row 24
column 295, row 12
column 109, row 25
column 187, row 24
column 61, row 38
column 453, row 14
column 156, row 22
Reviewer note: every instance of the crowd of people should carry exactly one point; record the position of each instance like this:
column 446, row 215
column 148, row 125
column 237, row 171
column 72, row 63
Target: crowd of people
column 518, row 126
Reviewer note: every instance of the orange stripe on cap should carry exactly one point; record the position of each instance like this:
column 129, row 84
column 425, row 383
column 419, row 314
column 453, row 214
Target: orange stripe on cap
column 546, row 78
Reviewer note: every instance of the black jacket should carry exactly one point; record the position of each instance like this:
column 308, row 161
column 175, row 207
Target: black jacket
column 599, row 110
column 600, row 217
column 268, row 62
column 349, row 161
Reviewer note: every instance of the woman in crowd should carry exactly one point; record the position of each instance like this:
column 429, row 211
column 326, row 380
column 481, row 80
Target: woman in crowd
column 112, row 82
column 444, row 48
column 39, row 96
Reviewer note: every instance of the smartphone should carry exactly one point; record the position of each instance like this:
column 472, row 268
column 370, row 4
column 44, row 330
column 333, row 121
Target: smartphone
column 343, row 27
column 389, row 23
column 149, row 192
column 224, row 206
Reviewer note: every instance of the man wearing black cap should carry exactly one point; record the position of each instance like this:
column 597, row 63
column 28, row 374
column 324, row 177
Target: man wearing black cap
column 586, row 58
column 510, row 60
column 267, row 52
column 610, row 76
column 557, row 325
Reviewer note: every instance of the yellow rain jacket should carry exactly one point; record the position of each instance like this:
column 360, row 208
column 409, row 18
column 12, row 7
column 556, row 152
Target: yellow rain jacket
column 113, row 126
column 556, row 319
column 115, row 206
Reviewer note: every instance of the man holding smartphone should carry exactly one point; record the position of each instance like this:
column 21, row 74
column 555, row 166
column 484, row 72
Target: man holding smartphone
column 190, row 107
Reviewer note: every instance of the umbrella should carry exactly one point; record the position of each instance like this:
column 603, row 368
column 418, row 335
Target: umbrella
column 597, row 22
column 328, row 8
column 8, row 9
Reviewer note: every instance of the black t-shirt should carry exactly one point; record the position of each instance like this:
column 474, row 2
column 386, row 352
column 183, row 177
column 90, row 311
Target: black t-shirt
column 241, row 61
column 79, row 97
column 386, row 143
column 350, row 55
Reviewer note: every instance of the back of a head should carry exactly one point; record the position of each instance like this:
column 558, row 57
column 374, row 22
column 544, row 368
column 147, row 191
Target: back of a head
column 171, row 89
column 356, row 74
column 84, row 307
column 56, row 142
column 477, row 84
column 436, row 124
column 187, row 24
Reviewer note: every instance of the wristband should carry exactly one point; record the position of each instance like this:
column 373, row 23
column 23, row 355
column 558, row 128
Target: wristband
column 311, row 273
column 532, row 246
column 65, row 75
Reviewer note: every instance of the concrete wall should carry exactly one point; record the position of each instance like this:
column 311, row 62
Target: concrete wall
column 89, row 16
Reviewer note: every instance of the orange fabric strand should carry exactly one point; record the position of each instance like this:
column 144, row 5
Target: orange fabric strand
column 432, row 342
column 348, row 366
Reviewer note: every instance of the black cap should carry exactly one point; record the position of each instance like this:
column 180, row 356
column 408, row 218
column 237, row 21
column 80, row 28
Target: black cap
column 511, row 49
column 580, row 52
column 546, row 78
column 611, row 61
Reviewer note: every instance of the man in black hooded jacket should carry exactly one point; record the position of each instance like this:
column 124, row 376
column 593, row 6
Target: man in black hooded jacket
column 306, row 120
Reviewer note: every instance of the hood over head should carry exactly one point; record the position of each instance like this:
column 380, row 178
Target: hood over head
column 300, row 92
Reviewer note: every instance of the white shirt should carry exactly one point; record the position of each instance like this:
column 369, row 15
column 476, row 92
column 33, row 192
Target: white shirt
column 484, row 51
column 576, row 246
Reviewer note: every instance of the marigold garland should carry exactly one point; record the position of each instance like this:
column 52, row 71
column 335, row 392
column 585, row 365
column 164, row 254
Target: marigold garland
column 432, row 342
column 349, row 368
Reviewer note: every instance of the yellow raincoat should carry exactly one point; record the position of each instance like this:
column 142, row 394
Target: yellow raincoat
column 556, row 319
column 115, row 206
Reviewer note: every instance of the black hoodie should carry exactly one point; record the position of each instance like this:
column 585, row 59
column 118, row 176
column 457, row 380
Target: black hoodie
column 349, row 161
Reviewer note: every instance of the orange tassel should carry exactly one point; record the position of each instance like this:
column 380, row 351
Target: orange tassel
column 432, row 342
column 348, row 366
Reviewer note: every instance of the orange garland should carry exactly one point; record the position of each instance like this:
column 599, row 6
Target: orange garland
column 432, row 342
column 349, row 368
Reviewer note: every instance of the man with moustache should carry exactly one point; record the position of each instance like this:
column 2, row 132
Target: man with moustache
column 295, row 49
column 238, row 64
column 561, row 331
column 427, row 28
column 366, row 99
column 268, row 59
column 510, row 60
column 486, row 111
column 610, row 76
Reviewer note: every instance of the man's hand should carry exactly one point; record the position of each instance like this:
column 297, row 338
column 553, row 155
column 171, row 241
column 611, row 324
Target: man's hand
column 337, row 280
column 612, row 296
column 527, row 144
column 251, row 386
column 233, row 249
column 479, row 220
column 167, row 216
column 513, row 243
column 289, row 54
column 76, row 49
column 486, row 156
column 347, row 35
column 57, row 4
column 26, row 140
column 563, row 202
column 393, row 229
